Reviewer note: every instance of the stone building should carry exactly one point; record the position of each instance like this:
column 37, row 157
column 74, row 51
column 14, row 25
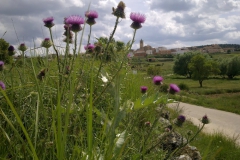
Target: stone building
column 143, row 51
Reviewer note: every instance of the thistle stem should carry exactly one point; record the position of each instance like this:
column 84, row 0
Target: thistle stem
column 111, row 36
column 54, row 47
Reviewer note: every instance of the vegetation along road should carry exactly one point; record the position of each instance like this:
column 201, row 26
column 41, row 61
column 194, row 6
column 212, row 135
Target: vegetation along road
column 220, row 121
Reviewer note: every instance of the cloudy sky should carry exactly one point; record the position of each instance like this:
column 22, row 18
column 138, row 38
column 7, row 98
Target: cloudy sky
column 169, row 23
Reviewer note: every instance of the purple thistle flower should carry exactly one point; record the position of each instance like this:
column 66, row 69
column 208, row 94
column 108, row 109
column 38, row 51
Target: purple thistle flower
column 89, row 47
column 157, row 80
column 1, row 65
column 91, row 15
column 75, row 21
column 144, row 89
column 48, row 22
column 180, row 120
column 173, row 88
column 22, row 47
column 205, row 119
column 137, row 19
column 2, row 85
column 11, row 48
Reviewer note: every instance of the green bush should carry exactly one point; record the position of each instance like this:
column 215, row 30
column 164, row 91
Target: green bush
column 183, row 86
column 164, row 88
column 153, row 70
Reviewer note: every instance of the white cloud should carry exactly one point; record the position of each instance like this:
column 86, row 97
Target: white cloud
column 233, row 35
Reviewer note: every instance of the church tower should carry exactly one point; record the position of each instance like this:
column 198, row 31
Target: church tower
column 141, row 44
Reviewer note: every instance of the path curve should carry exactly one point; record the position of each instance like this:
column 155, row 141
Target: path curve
column 220, row 121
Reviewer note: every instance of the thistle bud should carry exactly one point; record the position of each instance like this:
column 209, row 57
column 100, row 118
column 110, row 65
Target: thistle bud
column 119, row 11
column 22, row 47
column 46, row 43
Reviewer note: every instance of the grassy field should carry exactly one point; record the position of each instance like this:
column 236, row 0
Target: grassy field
column 217, row 92
column 49, row 118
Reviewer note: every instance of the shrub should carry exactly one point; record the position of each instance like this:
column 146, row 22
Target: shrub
column 153, row 70
column 183, row 86
column 164, row 88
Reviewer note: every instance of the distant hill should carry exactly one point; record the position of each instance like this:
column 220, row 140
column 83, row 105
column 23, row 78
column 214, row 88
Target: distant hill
column 235, row 46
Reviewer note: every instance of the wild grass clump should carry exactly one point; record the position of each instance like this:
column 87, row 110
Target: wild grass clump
column 183, row 86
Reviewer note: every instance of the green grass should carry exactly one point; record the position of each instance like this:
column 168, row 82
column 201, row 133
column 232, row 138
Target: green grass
column 217, row 92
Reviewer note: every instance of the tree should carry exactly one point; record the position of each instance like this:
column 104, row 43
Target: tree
column 233, row 67
column 181, row 64
column 202, row 67
column 223, row 63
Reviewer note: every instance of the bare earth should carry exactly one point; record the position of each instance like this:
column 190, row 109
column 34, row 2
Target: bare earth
column 220, row 121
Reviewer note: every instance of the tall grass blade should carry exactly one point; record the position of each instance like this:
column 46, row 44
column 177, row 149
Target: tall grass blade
column 21, row 125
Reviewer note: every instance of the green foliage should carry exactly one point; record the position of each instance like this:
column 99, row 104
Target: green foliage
column 233, row 67
column 164, row 88
column 230, row 67
column 181, row 66
column 202, row 67
column 223, row 63
column 4, row 52
column 183, row 86
column 153, row 70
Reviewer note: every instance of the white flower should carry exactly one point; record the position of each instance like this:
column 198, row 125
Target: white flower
column 104, row 79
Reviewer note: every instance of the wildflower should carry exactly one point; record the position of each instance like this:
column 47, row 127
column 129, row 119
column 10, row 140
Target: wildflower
column 1, row 65
column 144, row 89
column 148, row 124
column 137, row 19
column 167, row 129
column 46, row 43
column 48, row 22
column 157, row 80
column 67, row 70
column 22, row 47
column 75, row 21
column 2, row 85
column 104, row 79
column 11, row 50
column 41, row 74
column 119, row 11
column 173, row 88
column 180, row 120
column 68, row 33
column 205, row 119
column 91, row 15
column 89, row 47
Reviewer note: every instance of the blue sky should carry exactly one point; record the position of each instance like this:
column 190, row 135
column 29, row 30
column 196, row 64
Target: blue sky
column 169, row 23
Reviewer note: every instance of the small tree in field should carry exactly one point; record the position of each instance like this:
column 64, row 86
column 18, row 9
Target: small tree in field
column 233, row 67
column 202, row 67
column 181, row 64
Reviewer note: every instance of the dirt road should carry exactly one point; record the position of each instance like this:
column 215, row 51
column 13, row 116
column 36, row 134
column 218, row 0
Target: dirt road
column 220, row 121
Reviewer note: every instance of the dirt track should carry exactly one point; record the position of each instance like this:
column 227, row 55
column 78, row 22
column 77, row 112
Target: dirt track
column 220, row 121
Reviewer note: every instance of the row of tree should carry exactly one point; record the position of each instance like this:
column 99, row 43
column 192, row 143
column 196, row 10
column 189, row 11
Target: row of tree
column 200, row 66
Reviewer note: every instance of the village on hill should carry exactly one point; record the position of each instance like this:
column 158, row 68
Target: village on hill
column 148, row 50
